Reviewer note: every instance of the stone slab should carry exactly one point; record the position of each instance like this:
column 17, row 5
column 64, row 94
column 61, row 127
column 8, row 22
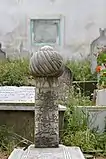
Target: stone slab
column 62, row 152
column 26, row 108
column 13, row 94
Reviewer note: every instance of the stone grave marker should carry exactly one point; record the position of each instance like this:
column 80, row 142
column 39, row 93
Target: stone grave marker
column 2, row 53
column 96, row 46
column 46, row 66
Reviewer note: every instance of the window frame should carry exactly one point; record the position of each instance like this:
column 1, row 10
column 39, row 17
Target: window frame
column 60, row 30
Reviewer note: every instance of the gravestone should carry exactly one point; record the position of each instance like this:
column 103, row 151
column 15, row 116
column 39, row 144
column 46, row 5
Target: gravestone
column 2, row 53
column 65, row 83
column 96, row 46
column 46, row 66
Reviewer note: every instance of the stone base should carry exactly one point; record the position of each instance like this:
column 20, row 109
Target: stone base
column 62, row 152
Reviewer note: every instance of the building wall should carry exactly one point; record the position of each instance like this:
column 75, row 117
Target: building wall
column 83, row 19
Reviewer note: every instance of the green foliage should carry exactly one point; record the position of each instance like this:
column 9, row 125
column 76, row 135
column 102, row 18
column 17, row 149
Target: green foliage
column 14, row 73
column 101, row 140
column 101, row 57
column 102, row 80
column 84, row 139
column 76, row 131
column 81, row 70
column 6, row 140
column 76, row 98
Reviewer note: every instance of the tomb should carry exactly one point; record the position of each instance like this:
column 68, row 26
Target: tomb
column 46, row 65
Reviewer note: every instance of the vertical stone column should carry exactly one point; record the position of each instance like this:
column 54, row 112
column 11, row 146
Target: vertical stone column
column 46, row 113
column 46, row 66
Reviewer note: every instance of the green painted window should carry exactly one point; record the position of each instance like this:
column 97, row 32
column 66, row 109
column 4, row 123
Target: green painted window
column 45, row 31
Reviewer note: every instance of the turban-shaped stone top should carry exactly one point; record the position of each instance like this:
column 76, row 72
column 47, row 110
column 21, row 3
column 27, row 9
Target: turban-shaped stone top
column 46, row 62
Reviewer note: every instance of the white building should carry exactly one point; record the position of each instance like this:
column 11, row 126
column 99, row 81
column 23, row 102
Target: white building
column 70, row 25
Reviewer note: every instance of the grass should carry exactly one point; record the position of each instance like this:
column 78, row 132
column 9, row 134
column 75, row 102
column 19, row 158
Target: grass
column 81, row 70
column 7, row 141
column 76, row 131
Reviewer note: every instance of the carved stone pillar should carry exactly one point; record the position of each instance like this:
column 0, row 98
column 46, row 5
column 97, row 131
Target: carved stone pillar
column 46, row 66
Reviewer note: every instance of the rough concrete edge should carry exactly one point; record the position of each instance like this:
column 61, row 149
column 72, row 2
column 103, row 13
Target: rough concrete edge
column 95, row 108
column 26, row 108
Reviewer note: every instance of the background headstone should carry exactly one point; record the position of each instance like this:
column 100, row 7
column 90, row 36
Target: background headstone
column 2, row 53
column 96, row 46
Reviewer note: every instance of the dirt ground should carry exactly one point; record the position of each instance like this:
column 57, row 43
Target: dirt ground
column 100, row 158
column 3, row 155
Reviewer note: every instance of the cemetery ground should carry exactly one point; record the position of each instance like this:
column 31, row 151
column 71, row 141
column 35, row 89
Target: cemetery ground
column 3, row 155
column 76, row 132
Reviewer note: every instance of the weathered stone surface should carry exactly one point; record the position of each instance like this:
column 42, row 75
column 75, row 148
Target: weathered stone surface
column 62, row 152
column 2, row 53
column 46, row 117
column 46, row 65
column 65, row 82
column 46, row 62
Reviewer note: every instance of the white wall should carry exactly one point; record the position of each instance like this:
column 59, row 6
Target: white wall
column 83, row 19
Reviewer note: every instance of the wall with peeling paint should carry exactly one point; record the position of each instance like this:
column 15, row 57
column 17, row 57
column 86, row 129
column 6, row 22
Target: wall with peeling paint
column 83, row 19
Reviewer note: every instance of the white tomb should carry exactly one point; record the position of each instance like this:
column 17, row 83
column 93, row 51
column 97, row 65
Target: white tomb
column 101, row 97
